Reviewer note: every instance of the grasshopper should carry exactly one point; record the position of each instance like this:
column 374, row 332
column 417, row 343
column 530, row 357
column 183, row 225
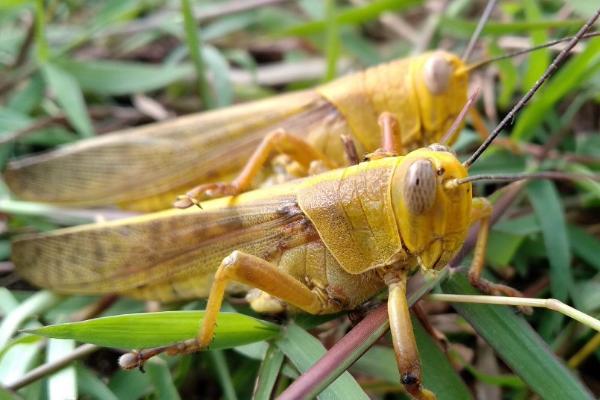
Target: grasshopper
column 145, row 168
column 159, row 161
column 321, row 244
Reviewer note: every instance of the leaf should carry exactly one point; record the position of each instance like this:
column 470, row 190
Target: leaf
column 68, row 93
column 518, row 345
column 304, row 350
column 571, row 75
column 268, row 372
column 461, row 28
column 549, row 213
column 91, row 386
column 144, row 330
column 218, row 66
column 161, row 378
column 61, row 384
column 120, row 77
column 353, row 16
column 538, row 60
column 585, row 246
column 548, row 210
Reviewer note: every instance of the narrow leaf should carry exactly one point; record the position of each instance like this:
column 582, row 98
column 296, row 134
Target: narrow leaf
column 69, row 96
column 123, row 77
column 161, row 378
column 304, row 350
column 135, row 331
column 268, row 372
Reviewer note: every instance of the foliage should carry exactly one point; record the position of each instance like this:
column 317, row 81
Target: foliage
column 69, row 70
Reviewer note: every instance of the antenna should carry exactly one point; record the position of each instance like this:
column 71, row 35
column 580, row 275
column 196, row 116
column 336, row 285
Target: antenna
column 554, row 175
column 480, row 25
column 549, row 72
column 482, row 63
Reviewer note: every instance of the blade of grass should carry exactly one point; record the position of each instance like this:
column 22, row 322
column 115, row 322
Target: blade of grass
column 61, row 384
column 130, row 385
column 549, row 214
column 518, row 345
column 90, row 385
column 268, row 372
column 115, row 78
column 585, row 245
column 571, row 75
column 220, row 367
column 352, row 16
column 332, row 42
column 135, row 331
column 462, row 29
column 192, row 36
column 34, row 305
column 41, row 43
column 68, row 93
column 538, row 60
column 304, row 350
column 161, row 379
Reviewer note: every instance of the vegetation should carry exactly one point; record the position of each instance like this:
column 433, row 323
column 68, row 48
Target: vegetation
column 71, row 70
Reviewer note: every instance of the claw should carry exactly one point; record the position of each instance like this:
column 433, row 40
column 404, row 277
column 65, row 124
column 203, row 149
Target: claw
column 206, row 192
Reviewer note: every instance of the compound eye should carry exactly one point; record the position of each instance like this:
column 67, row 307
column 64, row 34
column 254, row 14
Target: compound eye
column 420, row 187
column 437, row 74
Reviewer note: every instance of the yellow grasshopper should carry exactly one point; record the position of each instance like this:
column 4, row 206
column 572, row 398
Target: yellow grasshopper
column 321, row 244
column 145, row 168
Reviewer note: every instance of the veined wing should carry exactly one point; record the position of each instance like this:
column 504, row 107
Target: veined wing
column 163, row 256
column 172, row 156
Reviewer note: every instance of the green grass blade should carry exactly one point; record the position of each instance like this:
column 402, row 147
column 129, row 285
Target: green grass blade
column 304, row 350
column 39, row 302
column 161, row 378
column 194, row 47
column 585, row 246
column 69, row 96
column 91, row 386
column 116, row 78
column 353, row 16
column 332, row 41
column 518, row 345
column 136, row 331
column 549, row 213
column 268, row 372
column 220, row 365
column 62, row 384
column 461, row 28
column 570, row 76
column 538, row 60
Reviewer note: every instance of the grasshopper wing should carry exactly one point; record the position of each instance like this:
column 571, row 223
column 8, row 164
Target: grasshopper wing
column 162, row 160
column 164, row 256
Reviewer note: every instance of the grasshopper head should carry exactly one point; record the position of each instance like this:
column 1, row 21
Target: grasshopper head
column 433, row 218
column 440, row 80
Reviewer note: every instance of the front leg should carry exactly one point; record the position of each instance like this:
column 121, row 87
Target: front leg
column 481, row 211
column 249, row 270
column 403, row 337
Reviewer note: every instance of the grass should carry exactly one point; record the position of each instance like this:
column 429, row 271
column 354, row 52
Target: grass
column 76, row 69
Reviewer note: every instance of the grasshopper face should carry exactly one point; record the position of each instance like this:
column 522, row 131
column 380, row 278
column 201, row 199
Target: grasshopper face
column 433, row 218
column 440, row 82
